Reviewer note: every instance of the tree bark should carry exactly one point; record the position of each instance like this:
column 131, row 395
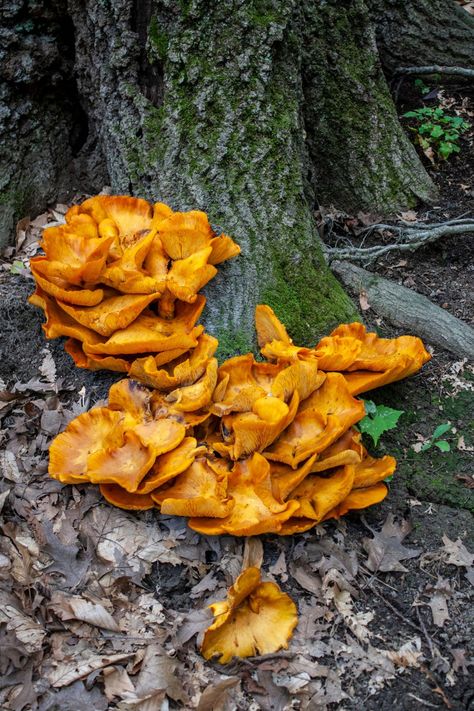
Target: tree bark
column 249, row 110
column 42, row 125
column 362, row 158
column 420, row 32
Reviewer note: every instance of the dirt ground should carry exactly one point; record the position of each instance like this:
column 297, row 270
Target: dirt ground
column 100, row 608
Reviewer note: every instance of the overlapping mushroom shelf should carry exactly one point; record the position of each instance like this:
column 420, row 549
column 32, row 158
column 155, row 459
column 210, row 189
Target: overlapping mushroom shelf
column 121, row 281
column 247, row 448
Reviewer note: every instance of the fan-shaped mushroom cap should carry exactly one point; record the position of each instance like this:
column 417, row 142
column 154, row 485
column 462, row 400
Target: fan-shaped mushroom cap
column 198, row 491
column 318, row 495
column 88, row 433
column 345, row 450
column 59, row 323
column 242, row 381
column 94, row 362
column 256, row 618
column 129, row 214
column 132, row 398
column 114, row 494
column 285, row 479
column 78, row 258
column 185, row 233
column 145, row 334
column 112, row 314
column 223, row 248
column 370, row 470
column 336, row 353
column 283, row 352
column 63, row 291
column 360, row 381
column 301, row 376
column 168, row 466
column 254, row 431
column 190, row 398
column 255, row 508
column 125, row 465
column 187, row 276
column 378, row 361
column 360, row 499
column 296, row 525
column 321, row 419
column 268, row 326
column 184, row 371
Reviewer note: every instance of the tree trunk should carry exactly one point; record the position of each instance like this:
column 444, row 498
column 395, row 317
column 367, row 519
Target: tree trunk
column 250, row 111
column 362, row 158
column 423, row 32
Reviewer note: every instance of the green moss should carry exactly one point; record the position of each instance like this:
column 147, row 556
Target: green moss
column 307, row 298
column 431, row 475
column 233, row 343
column 158, row 39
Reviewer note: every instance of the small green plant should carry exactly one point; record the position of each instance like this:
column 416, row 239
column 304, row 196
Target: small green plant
column 17, row 267
column 435, row 441
column 421, row 86
column 378, row 419
column 437, row 130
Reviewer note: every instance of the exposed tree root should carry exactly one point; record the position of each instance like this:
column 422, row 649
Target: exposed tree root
column 437, row 69
column 407, row 238
column 409, row 310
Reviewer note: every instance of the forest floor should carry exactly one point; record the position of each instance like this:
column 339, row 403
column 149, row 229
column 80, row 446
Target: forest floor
column 100, row 608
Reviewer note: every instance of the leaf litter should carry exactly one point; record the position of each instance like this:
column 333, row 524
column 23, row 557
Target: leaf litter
column 103, row 609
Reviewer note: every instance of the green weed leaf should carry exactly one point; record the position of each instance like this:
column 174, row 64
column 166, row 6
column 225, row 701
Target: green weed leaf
column 443, row 445
column 376, row 423
column 441, row 430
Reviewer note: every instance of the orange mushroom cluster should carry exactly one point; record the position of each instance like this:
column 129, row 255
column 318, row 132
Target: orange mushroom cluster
column 121, row 281
column 250, row 447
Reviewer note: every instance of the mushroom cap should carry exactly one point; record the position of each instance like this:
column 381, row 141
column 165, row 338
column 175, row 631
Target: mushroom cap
column 117, row 496
column 187, row 276
column 256, row 618
column 168, row 466
column 125, row 465
column 190, row 398
column 114, row 312
column 255, row 509
column 86, row 434
column 183, row 371
column 268, row 327
column 199, row 491
column 318, row 495
column 94, row 362
column 62, row 290
column 370, row 471
column 320, row 420
column 254, row 431
column 359, row 499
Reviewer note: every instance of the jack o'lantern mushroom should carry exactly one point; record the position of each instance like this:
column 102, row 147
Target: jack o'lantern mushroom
column 256, row 618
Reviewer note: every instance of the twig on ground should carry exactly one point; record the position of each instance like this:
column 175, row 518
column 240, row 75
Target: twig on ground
column 437, row 69
column 407, row 238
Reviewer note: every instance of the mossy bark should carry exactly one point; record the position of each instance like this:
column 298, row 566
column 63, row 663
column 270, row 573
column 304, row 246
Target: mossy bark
column 423, row 32
column 362, row 158
column 227, row 137
column 250, row 111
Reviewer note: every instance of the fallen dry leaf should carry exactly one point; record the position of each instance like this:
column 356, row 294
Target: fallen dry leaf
column 66, row 673
column 440, row 593
column 77, row 608
column 385, row 549
column 216, row 696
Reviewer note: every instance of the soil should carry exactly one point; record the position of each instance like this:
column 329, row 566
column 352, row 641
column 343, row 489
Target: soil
column 431, row 489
